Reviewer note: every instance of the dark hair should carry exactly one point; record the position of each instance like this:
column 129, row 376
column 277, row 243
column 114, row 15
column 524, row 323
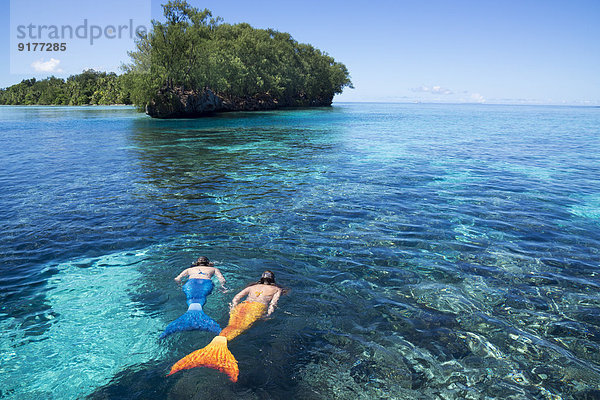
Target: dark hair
column 202, row 262
column 268, row 278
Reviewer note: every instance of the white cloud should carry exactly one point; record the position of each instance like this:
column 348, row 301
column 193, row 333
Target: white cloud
column 440, row 94
column 477, row 98
column 433, row 90
column 421, row 89
column 440, row 90
column 46, row 66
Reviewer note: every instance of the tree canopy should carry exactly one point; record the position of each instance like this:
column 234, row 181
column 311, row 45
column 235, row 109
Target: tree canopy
column 192, row 50
column 89, row 87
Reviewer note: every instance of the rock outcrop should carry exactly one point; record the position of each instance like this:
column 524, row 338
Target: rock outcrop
column 179, row 103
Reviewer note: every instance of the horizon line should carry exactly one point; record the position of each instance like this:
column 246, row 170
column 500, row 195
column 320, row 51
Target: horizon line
column 488, row 103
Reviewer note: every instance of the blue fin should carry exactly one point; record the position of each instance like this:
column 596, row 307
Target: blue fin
column 193, row 319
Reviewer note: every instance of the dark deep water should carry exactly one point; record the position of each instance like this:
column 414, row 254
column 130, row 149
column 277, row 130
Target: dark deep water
column 432, row 251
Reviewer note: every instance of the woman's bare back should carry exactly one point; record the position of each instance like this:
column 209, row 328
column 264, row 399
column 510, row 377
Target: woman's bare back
column 201, row 272
column 262, row 293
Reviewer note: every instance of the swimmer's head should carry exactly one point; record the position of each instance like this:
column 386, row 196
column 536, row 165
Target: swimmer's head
column 202, row 262
column 267, row 278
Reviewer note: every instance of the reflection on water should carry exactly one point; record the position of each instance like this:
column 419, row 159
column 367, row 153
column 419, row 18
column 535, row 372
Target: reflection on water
column 432, row 251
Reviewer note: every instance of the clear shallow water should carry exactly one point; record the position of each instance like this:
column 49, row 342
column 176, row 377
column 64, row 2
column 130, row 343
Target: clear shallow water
column 433, row 251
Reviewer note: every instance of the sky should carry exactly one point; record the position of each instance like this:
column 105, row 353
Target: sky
column 484, row 51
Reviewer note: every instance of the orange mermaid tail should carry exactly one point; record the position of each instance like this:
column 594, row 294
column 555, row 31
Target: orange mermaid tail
column 242, row 317
column 216, row 355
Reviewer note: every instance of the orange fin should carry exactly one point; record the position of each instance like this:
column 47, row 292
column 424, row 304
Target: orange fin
column 216, row 355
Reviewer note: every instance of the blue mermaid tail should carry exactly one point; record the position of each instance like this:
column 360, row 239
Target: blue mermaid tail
column 193, row 319
column 196, row 291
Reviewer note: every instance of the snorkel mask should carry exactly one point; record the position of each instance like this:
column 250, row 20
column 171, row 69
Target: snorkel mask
column 267, row 278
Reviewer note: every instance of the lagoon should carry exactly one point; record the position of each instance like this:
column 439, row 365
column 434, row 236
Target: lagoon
column 432, row 250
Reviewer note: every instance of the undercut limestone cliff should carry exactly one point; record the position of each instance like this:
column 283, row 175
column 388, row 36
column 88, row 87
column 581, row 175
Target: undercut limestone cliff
column 180, row 103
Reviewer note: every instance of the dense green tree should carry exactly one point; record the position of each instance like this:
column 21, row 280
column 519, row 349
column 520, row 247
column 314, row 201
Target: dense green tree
column 192, row 50
column 89, row 87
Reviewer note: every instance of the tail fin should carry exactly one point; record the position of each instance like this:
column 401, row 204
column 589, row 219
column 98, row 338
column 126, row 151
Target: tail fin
column 193, row 319
column 216, row 355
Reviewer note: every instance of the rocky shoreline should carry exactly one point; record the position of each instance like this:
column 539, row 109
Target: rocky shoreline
column 180, row 103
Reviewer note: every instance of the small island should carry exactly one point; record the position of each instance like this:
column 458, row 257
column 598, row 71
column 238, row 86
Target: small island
column 88, row 88
column 192, row 65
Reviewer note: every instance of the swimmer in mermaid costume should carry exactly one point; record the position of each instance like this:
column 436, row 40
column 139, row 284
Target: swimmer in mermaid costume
column 262, row 299
column 198, row 286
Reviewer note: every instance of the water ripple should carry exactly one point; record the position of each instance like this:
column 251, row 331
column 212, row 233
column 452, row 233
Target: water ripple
column 432, row 251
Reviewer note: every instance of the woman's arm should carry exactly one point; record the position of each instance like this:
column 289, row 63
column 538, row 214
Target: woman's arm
column 220, row 277
column 185, row 272
column 273, row 302
column 239, row 296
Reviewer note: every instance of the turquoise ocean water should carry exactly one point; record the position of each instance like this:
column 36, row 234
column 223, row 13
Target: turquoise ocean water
column 432, row 251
